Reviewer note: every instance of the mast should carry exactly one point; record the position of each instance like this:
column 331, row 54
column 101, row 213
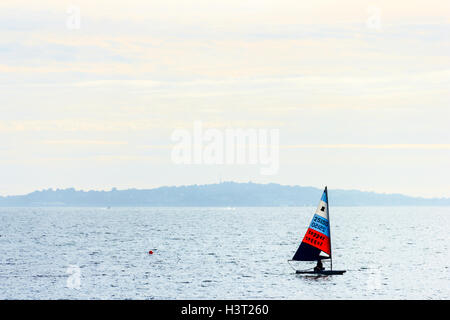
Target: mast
column 329, row 224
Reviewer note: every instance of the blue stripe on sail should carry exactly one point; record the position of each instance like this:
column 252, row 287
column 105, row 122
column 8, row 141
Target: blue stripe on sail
column 320, row 224
column 324, row 197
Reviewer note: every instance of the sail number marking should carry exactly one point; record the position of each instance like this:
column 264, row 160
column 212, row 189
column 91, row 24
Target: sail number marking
column 315, row 238
column 320, row 224
column 318, row 240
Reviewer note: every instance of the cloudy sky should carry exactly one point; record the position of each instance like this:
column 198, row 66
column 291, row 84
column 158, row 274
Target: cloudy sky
column 359, row 91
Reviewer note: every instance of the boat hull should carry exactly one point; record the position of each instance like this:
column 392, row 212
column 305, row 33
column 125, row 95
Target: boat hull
column 322, row 273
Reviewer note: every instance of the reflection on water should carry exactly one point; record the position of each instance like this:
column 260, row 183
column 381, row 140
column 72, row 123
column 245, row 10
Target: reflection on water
column 207, row 253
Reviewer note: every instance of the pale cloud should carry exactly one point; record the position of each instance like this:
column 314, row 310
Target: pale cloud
column 241, row 12
column 370, row 146
column 112, row 92
column 84, row 142
column 81, row 125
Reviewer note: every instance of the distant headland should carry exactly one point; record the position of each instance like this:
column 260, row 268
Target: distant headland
column 226, row 194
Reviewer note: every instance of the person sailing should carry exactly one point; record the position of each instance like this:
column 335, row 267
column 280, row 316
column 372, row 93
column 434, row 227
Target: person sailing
column 319, row 267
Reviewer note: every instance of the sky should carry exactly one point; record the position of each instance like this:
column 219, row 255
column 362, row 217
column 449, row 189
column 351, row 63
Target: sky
column 91, row 92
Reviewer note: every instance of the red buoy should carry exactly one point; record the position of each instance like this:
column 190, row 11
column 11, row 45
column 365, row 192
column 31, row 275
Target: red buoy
column 150, row 252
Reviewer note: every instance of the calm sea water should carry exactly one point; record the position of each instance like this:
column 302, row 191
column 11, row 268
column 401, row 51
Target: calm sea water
column 220, row 253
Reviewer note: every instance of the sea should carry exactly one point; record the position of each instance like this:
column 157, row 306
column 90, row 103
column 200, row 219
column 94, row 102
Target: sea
column 220, row 253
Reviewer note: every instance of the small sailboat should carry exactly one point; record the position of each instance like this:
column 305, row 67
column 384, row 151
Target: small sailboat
column 317, row 240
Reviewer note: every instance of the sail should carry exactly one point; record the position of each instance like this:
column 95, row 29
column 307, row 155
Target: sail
column 317, row 237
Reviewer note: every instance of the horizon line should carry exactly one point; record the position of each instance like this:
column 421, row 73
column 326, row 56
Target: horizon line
column 217, row 183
